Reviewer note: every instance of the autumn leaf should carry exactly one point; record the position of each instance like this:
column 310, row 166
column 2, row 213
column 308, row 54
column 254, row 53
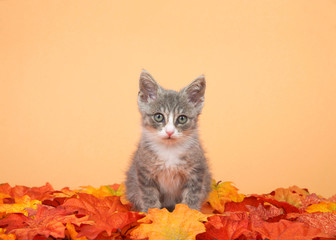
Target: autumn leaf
column 265, row 212
column 108, row 190
column 223, row 192
column 36, row 193
column 324, row 221
column 20, row 205
column 288, row 208
column 322, row 207
column 183, row 223
column 101, row 192
column 108, row 214
column 119, row 190
column 14, row 221
column 47, row 221
column 232, row 226
column 4, row 236
column 332, row 199
column 4, row 196
column 311, row 199
column 104, row 214
column 72, row 234
column 292, row 195
column 284, row 230
column 241, row 206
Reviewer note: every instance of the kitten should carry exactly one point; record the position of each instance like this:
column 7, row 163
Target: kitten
column 169, row 166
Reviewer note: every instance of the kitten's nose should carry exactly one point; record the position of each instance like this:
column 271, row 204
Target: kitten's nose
column 170, row 132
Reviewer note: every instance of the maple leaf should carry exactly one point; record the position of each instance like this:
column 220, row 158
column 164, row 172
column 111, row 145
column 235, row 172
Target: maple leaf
column 20, row 205
column 232, row 226
column 183, row 223
column 324, row 221
column 108, row 214
column 284, row 230
column 5, row 188
column 3, row 197
column 223, row 192
column 47, row 221
column 14, row 221
column 4, row 236
column 38, row 193
column 241, row 206
column 288, row 208
column 332, row 199
column 310, row 199
column 108, row 190
column 265, row 212
column 119, row 190
column 72, row 234
column 292, row 195
column 322, row 207
column 101, row 192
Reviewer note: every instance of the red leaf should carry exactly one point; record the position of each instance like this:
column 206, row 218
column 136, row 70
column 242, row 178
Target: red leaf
column 38, row 193
column 241, row 206
column 288, row 208
column 332, row 199
column 284, row 230
column 5, row 188
column 108, row 214
column 48, row 221
column 324, row 221
column 14, row 221
column 233, row 226
column 265, row 212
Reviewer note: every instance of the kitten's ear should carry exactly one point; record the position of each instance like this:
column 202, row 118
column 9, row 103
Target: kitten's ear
column 195, row 91
column 148, row 88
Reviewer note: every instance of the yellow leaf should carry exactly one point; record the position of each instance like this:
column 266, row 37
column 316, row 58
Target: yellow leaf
column 181, row 224
column 292, row 195
column 72, row 232
column 4, row 236
column 322, row 207
column 122, row 193
column 101, row 192
column 223, row 192
column 20, row 205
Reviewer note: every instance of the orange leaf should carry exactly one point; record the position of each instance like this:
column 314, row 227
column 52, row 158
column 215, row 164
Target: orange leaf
column 284, row 230
column 182, row 223
column 108, row 214
column 72, row 232
column 223, row 192
column 4, row 236
column 47, row 221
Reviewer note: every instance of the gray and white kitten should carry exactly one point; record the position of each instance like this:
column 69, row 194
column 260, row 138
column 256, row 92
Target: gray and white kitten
column 169, row 166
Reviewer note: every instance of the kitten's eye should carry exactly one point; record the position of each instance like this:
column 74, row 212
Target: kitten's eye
column 158, row 117
column 182, row 119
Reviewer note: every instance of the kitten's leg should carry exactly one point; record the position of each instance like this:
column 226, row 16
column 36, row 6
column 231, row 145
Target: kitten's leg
column 192, row 193
column 149, row 191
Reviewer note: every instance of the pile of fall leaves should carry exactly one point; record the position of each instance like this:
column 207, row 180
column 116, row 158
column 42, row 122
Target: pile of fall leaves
column 104, row 213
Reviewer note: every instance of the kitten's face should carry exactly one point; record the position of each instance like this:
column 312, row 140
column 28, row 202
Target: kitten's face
column 170, row 117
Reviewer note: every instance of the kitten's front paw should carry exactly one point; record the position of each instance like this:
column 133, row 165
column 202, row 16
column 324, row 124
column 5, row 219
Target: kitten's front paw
column 145, row 208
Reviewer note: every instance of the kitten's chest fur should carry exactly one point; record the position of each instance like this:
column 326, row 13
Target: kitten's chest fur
column 170, row 168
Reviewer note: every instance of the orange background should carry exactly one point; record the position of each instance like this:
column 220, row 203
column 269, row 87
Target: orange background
column 69, row 80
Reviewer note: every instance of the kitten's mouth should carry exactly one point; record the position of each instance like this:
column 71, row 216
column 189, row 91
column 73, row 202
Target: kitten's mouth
column 170, row 139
